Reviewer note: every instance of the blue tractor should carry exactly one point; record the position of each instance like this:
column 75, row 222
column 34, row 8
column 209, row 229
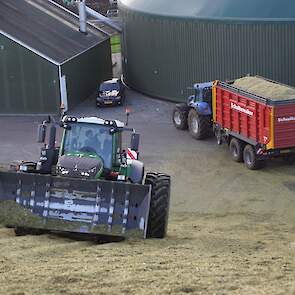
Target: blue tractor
column 196, row 114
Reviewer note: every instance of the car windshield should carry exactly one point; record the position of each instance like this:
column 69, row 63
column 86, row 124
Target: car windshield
column 109, row 87
column 89, row 138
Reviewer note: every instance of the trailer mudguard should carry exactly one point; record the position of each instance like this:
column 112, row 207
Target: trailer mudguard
column 74, row 205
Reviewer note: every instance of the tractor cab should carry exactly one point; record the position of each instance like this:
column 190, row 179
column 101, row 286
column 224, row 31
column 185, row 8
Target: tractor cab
column 201, row 101
column 202, row 92
column 92, row 148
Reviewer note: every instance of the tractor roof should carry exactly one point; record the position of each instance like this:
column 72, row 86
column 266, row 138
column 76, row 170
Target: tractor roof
column 203, row 85
column 94, row 120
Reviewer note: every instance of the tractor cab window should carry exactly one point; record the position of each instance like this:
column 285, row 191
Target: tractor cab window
column 198, row 93
column 203, row 93
column 207, row 95
column 89, row 140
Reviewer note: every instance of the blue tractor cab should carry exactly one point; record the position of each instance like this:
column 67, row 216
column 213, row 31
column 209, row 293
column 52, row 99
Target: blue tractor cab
column 201, row 101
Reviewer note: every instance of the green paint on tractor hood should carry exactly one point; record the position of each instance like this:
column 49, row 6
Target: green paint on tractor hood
column 81, row 163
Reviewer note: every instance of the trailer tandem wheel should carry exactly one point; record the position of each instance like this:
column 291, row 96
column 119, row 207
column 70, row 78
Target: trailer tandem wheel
column 236, row 148
column 250, row 158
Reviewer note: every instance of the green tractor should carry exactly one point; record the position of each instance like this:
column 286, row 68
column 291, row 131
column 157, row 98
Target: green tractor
column 89, row 184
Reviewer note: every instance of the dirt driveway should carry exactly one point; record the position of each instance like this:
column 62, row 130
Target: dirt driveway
column 231, row 230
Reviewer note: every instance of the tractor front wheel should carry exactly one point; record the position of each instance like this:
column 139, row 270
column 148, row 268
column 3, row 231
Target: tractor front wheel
column 159, row 206
column 179, row 116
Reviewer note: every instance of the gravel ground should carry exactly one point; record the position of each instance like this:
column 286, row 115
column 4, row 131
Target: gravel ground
column 231, row 230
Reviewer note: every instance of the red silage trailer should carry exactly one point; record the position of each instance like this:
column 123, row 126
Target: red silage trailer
column 255, row 127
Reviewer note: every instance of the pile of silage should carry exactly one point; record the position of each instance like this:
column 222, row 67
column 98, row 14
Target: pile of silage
column 261, row 87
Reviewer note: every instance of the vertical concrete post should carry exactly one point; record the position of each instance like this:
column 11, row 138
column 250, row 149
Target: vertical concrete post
column 82, row 16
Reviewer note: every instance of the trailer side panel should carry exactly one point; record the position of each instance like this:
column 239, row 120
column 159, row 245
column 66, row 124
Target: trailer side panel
column 284, row 126
column 243, row 116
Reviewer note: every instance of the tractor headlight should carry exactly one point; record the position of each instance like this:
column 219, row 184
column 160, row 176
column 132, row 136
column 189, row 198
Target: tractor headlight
column 85, row 174
column 92, row 170
column 121, row 177
column 62, row 170
column 71, row 119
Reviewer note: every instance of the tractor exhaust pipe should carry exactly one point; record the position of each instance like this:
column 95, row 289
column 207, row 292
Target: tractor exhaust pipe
column 41, row 133
column 52, row 137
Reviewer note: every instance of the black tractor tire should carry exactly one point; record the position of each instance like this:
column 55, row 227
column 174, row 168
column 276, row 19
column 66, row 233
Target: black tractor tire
column 179, row 116
column 199, row 125
column 250, row 158
column 236, row 148
column 159, row 206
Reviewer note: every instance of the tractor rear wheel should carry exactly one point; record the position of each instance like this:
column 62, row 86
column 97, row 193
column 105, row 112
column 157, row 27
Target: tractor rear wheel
column 179, row 116
column 199, row 126
column 159, row 206
column 236, row 148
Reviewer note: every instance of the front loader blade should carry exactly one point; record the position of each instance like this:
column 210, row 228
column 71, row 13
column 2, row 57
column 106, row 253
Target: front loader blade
column 74, row 205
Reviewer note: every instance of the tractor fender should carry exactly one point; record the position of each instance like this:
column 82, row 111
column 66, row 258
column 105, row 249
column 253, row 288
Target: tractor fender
column 202, row 108
column 136, row 171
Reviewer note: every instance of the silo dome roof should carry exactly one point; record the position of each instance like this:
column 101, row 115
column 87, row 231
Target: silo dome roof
column 256, row 10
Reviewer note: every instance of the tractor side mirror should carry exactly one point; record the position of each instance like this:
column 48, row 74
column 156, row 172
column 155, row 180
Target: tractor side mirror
column 135, row 137
column 66, row 126
column 41, row 133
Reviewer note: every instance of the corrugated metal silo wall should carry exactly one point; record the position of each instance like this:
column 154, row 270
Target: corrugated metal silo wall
column 28, row 83
column 163, row 57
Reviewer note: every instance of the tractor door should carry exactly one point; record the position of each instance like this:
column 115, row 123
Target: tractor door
column 207, row 95
column 117, row 148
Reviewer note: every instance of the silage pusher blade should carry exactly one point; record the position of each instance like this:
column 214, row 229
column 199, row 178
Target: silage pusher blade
column 74, row 205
